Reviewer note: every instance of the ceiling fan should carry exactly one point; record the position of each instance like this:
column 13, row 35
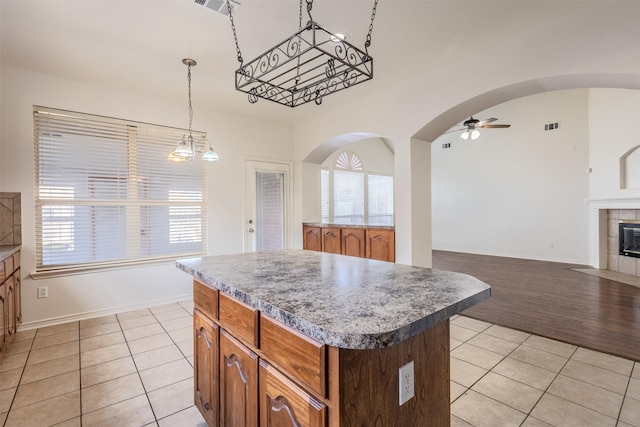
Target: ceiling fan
column 471, row 126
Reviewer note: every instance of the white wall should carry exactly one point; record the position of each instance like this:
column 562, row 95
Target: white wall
column 614, row 128
column 374, row 154
column 233, row 137
column 517, row 192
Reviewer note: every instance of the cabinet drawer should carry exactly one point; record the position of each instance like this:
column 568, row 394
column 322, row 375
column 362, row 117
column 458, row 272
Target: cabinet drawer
column 283, row 403
column 239, row 319
column 206, row 299
column 8, row 267
column 302, row 358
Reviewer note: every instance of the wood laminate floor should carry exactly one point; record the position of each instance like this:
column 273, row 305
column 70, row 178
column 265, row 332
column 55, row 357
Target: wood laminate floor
column 551, row 300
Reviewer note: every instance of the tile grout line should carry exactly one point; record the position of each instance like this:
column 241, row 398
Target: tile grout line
column 146, row 393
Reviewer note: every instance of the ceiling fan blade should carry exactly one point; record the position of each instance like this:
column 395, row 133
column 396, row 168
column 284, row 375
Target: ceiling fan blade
column 485, row 121
column 455, row 130
column 494, row 126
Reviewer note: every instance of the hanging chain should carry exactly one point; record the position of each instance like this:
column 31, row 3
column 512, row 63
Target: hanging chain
column 235, row 35
column 190, row 108
column 300, row 17
column 309, row 7
column 373, row 16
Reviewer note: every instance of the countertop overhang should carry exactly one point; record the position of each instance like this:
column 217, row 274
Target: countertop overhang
column 341, row 301
column 8, row 250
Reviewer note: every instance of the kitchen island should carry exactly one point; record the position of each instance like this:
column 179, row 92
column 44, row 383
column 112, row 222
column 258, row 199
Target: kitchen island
column 296, row 337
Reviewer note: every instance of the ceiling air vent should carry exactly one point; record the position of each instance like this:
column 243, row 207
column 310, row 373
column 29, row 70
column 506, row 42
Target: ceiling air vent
column 219, row 6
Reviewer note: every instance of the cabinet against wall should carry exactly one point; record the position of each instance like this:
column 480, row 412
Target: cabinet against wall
column 365, row 242
column 10, row 300
column 312, row 238
column 353, row 242
column 381, row 244
column 331, row 240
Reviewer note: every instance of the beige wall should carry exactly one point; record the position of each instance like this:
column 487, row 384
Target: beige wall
column 234, row 138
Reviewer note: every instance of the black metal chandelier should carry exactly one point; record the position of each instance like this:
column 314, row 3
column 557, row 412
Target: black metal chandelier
column 307, row 66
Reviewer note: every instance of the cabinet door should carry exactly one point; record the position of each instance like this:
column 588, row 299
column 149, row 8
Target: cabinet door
column 284, row 404
column 311, row 238
column 353, row 242
column 3, row 317
column 381, row 245
column 11, row 309
column 17, row 291
column 238, row 383
column 205, row 366
column 331, row 240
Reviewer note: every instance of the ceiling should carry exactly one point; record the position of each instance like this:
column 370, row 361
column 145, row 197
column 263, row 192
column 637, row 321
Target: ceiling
column 137, row 45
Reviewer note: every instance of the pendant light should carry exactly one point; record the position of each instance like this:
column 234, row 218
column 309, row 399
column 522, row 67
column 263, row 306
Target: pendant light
column 186, row 149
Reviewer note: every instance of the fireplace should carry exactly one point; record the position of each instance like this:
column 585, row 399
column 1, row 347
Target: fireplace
column 629, row 237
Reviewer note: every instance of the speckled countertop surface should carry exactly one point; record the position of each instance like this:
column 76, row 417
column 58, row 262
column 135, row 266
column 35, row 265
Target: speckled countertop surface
column 342, row 301
column 366, row 226
column 8, row 250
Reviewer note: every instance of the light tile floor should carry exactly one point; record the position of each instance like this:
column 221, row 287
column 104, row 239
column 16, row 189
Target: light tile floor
column 136, row 369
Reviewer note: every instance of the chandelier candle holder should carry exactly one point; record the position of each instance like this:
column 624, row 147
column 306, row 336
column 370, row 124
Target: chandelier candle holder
column 307, row 66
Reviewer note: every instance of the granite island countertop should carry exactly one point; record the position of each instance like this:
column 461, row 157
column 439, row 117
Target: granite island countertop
column 341, row 301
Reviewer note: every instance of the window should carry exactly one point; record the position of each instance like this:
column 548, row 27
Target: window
column 352, row 195
column 107, row 194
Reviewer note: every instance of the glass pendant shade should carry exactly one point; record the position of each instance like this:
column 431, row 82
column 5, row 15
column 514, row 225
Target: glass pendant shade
column 465, row 135
column 475, row 134
column 184, row 149
column 210, row 155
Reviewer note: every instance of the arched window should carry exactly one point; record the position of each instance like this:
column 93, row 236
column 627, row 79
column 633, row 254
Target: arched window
column 352, row 195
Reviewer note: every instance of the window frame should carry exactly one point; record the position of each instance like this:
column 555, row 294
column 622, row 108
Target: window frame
column 143, row 187
column 330, row 191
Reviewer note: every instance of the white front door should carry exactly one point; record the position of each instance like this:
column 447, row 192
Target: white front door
column 267, row 206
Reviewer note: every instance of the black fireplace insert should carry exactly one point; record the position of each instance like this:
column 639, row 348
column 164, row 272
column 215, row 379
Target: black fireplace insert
column 629, row 236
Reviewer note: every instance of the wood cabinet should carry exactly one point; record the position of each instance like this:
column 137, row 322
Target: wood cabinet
column 381, row 245
column 205, row 367
column 312, row 238
column 365, row 242
column 353, row 242
column 331, row 240
column 238, row 383
column 10, row 300
column 252, row 370
column 285, row 404
column 3, row 318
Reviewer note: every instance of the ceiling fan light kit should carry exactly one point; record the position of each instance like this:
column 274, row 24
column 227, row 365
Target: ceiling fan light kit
column 471, row 126
column 307, row 66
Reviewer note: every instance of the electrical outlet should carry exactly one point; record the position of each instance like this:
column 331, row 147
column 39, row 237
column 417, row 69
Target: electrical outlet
column 407, row 386
column 43, row 292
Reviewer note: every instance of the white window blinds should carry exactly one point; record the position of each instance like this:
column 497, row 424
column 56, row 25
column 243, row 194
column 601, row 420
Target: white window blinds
column 107, row 194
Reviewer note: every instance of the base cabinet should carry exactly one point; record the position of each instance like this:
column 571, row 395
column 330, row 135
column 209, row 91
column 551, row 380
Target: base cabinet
column 3, row 318
column 238, row 383
column 284, row 404
column 10, row 300
column 205, row 367
column 278, row 377
column 364, row 242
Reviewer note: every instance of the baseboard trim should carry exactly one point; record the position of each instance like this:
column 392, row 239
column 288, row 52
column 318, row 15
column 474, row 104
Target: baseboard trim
column 99, row 313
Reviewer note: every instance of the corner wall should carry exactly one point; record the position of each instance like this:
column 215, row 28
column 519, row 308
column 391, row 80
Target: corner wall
column 85, row 295
column 517, row 192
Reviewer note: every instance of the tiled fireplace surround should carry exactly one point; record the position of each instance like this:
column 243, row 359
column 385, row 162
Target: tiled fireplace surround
column 615, row 261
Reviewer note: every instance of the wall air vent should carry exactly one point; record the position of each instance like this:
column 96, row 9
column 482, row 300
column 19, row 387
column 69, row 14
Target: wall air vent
column 219, row 6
